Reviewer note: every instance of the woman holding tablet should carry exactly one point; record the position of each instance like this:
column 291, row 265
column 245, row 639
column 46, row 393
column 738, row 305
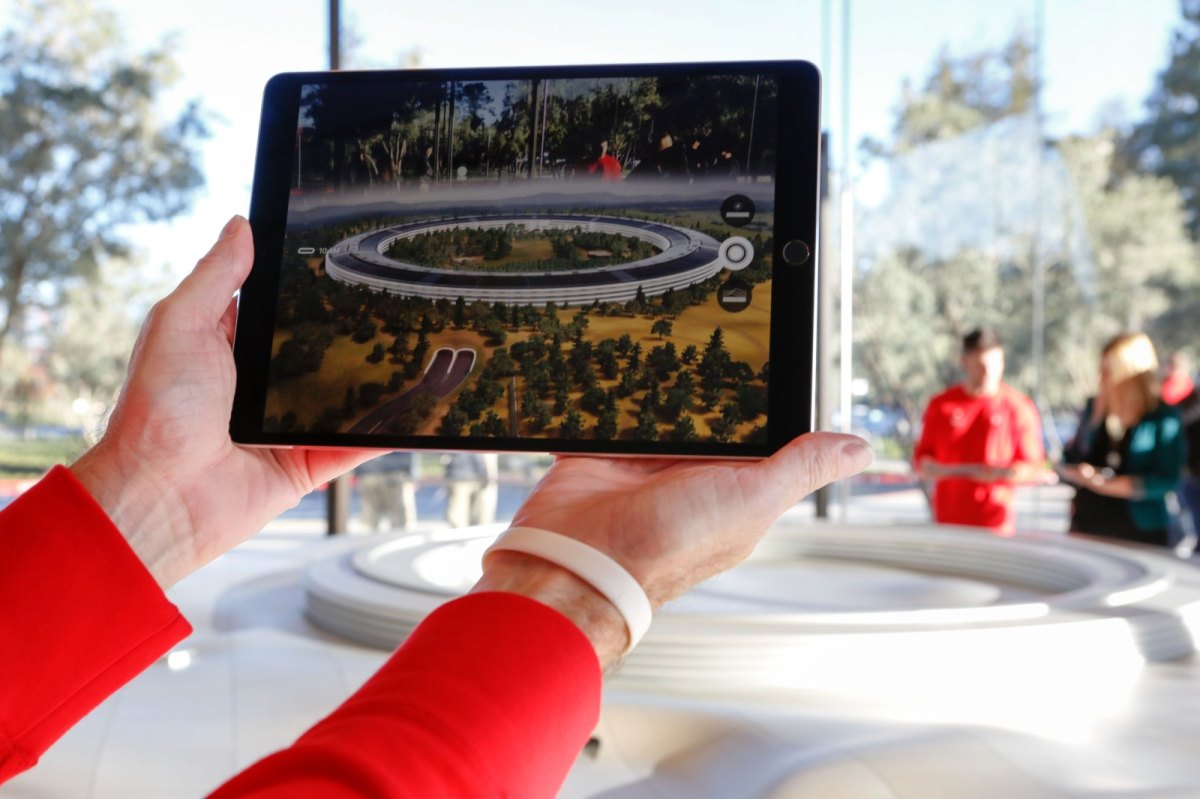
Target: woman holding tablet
column 494, row 694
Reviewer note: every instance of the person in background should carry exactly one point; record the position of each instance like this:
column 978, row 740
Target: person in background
column 1179, row 389
column 1189, row 487
column 493, row 694
column 979, row 439
column 666, row 159
column 387, row 488
column 606, row 166
column 698, row 160
column 1128, row 451
column 471, row 489
column 1178, row 381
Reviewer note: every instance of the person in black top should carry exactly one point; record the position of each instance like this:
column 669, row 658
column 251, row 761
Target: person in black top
column 1128, row 452
column 1189, row 491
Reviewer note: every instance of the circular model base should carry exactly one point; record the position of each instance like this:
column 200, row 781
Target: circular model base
column 816, row 604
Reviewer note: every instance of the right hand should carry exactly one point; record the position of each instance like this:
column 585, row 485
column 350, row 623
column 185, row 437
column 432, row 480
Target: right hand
column 673, row 522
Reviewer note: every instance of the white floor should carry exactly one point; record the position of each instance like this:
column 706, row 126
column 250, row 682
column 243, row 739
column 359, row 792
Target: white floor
column 256, row 674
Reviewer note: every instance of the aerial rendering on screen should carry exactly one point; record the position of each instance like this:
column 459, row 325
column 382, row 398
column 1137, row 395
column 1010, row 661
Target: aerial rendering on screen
column 584, row 258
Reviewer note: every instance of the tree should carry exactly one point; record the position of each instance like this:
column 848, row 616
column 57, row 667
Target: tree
column 529, row 404
column 1167, row 143
column 752, row 401
column 542, row 418
column 965, row 93
column 492, row 426
column 647, row 425
column 91, row 336
column 715, row 362
column 606, row 427
column 684, row 430
column 1140, row 270
column 1147, row 275
column 453, row 423
column 572, row 424
column 660, row 328
column 82, row 150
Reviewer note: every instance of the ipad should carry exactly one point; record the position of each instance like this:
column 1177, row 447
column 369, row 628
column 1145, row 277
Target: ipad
column 613, row 259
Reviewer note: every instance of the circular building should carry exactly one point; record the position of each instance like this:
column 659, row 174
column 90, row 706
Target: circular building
column 686, row 257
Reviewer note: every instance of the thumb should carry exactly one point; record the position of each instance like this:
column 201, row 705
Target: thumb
column 220, row 273
column 810, row 462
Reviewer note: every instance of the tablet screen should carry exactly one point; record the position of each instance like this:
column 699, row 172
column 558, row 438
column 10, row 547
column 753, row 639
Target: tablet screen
column 489, row 260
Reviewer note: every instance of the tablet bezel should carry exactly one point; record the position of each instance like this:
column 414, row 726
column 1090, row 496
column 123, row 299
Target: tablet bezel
column 792, row 337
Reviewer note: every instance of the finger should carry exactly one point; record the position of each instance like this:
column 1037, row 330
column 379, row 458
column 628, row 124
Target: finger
column 218, row 275
column 808, row 463
column 229, row 321
column 623, row 465
column 326, row 464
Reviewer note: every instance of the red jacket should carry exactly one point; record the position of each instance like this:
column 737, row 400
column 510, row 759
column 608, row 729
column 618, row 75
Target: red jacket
column 493, row 695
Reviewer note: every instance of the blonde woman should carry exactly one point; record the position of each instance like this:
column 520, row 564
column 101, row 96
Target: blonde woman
column 1128, row 452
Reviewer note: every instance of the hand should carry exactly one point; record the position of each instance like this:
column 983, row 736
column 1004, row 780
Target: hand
column 992, row 474
column 928, row 469
column 670, row 523
column 166, row 470
column 1076, row 474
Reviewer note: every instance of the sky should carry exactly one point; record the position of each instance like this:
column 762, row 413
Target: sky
column 1098, row 54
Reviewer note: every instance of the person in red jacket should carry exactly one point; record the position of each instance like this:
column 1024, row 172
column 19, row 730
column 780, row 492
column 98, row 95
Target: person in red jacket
column 979, row 439
column 494, row 694
column 606, row 166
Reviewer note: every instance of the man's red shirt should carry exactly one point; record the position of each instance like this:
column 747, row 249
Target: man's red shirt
column 1003, row 431
column 608, row 166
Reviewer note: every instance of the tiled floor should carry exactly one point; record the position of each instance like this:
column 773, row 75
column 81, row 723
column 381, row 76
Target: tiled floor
column 255, row 674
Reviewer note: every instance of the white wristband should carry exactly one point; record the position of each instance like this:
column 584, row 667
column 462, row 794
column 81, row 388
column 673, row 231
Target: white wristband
column 590, row 565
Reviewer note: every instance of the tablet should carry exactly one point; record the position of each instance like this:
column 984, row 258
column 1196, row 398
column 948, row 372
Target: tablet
column 614, row 259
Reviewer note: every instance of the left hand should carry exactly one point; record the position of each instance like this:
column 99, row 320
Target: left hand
column 166, row 470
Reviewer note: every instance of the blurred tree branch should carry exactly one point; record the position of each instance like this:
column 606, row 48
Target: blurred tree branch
column 83, row 150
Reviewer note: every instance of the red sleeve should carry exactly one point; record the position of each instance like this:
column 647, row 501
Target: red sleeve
column 80, row 616
column 492, row 695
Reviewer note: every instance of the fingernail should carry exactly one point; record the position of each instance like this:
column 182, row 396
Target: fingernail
column 859, row 452
column 230, row 225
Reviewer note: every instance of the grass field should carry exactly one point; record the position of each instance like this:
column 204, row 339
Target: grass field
column 345, row 364
column 32, row 458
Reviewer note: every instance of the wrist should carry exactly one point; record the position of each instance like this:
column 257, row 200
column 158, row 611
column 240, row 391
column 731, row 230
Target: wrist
column 142, row 506
column 554, row 586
